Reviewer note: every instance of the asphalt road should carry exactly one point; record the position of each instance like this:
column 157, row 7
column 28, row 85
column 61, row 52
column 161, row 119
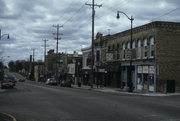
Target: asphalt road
column 30, row 102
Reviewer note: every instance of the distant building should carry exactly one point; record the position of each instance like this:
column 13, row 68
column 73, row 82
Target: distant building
column 64, row 65
column 86, row 65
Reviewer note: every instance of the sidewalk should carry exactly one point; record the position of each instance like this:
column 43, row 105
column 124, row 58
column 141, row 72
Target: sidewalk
column 121, row 91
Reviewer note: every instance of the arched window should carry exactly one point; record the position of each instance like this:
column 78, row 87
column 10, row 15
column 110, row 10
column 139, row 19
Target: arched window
column 139, row 49
column 118, row 51
column 145, row 48
column 152, row 47
column 124, row 49
column 124, row 46
column 133, row 45
column 128, row 45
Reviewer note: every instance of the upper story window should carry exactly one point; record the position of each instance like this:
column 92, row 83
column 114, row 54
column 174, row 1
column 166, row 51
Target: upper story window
column 128, row 45
column 118, row 51
column 145, row 48
column 124, row 48
column 109, row 48
column 139, row 49
column 152, row 47
column 113, row 48
column 98, row 56
column 133, row 50
column 133, row 45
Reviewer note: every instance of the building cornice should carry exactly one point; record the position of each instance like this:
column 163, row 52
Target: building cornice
column 152, row 25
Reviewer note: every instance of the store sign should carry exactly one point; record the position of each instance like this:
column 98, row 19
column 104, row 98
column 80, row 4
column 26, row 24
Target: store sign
column 140, row 69
column 145, row 69
column 151, row 69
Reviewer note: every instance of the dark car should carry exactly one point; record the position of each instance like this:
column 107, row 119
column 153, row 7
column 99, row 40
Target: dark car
column 7, row 83
column 21, row 80
column 51, row 81
column 12, row 79
column 65, row 84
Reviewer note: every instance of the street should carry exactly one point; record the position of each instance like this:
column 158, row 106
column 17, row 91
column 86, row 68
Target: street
column 32, row 102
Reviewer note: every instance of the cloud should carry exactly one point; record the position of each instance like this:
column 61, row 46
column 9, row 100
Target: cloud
column 29, row 22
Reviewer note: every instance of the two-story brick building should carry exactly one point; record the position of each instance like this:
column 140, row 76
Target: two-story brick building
column 155, row 57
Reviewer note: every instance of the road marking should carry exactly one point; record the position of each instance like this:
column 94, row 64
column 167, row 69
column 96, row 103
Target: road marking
column 12, row 117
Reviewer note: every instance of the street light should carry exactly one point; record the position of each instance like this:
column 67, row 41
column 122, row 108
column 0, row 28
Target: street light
column 130, row 74
column 4, row 35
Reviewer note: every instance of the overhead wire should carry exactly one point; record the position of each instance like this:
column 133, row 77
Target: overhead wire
column 165, row 14
column 68, row 7
column 70, row 18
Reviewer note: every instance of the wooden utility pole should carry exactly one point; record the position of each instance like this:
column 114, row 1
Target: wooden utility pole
column 57, row 43
column 33, row 49
column 45, row 67
column 57, row 36
column 92, row 44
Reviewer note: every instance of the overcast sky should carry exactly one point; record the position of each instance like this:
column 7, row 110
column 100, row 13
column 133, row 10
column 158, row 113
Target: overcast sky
column 28, row 22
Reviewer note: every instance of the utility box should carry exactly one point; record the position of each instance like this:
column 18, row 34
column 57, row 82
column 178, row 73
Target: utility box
column 170, row 86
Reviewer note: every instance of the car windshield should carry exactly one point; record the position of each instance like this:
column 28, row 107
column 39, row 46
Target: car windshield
column 7, row 80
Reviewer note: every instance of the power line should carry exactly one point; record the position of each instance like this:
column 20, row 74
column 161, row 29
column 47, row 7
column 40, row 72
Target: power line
column 165, row 14
column 73, row 14
column 69, row 8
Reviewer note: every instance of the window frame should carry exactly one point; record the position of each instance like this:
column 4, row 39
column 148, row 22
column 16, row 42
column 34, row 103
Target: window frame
column 151, row 44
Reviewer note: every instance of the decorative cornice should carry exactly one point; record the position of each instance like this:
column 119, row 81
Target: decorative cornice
column 152, row 25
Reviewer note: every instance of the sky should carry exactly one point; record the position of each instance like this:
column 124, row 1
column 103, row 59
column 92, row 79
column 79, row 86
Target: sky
column 29, row 22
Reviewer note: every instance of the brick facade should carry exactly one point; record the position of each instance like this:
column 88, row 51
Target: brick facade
column 155, row 49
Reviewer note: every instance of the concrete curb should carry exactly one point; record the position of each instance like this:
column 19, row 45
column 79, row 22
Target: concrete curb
column 128, row 93
column 7, row 117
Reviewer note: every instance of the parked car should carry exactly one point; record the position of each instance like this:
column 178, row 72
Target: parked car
column 21, row 80
column 7, row 83
column 51, row 81
column 12, row 79
column 65, row 84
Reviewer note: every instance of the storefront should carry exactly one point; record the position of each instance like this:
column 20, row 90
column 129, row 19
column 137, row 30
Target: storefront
column 145, row 78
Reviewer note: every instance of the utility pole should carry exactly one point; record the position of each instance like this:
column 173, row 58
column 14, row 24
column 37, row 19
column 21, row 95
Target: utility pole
column 33, row 49
column 45, row 74
column 92, row 44
column 57, row 38
column 57, row 35
column 32, row 64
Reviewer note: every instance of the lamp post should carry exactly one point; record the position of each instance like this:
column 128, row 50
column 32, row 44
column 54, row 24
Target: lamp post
column 4, row 35
column 130, row 74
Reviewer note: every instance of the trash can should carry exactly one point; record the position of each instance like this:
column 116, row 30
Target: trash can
column 170, row 86
column 79, row 84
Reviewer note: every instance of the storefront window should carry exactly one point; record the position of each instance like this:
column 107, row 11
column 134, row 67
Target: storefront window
column 151, row 79
column 140, row 79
